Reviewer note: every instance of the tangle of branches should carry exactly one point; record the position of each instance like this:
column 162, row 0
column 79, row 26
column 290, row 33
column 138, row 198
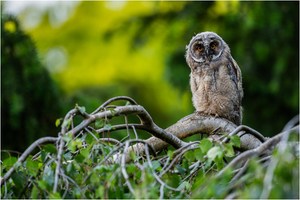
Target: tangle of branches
column 130, row 149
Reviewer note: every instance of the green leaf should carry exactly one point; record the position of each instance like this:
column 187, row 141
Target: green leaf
column 58, row 122
column 214, row 153
column 131, row 168
column 220, row 163
column 229, row 152
column 85, row 152
column 42, row 184
column 55, row 195
column 155, row 165
column 19, row 179
column 32, row 167
column 89, row 139
column 34, row 192
column 94, row 178
column 205, row 145
column 190, row 156
column 9, row 162
column 79, row 158
column 170, row 153
column 50, row 148
column 99, row 123
column 180, row 169
column 99, row 192
column 235, row 140
column 199, row 155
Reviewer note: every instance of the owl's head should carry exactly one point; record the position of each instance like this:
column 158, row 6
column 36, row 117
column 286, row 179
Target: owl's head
column 206, row 46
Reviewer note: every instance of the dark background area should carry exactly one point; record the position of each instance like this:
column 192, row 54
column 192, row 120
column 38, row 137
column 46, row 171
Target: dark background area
column 137, row 49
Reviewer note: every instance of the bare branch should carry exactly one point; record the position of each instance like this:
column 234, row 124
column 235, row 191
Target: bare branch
column 61, row 143
column 272, row 166
column 146, row 119
column 240, row 130
column 198, row 124
column 26, row 153
column 124, row 172
column 260, row 149
column 293, row 122
column 133, row 102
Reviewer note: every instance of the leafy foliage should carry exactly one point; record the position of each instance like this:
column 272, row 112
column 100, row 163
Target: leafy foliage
column 93, row 166
column 139, row 51
column 87, row 172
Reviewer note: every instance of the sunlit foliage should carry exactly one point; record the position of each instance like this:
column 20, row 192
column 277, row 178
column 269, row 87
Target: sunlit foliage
column 96, row 50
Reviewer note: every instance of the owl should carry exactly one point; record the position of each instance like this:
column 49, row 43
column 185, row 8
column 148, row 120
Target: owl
column 215, row 78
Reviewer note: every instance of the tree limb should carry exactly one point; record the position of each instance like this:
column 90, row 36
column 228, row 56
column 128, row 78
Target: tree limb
column 26, row 153
column 199, row 124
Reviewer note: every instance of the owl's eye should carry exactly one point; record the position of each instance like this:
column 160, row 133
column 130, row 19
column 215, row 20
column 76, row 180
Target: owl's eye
column 198, row 48
column 214, row 45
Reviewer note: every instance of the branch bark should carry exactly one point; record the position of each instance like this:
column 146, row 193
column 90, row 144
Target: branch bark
column 197, row 124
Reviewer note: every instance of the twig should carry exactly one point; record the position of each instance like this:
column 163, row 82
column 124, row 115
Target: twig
column 240, row 172
column 26, row 153
column 155, row 175
column 249, row 130
column 181, row 151
column 61, row 144
column 70, row 179
column 194, row 169
column 294, row 121
column 124, row 172
column 111, row 140
column 161, row 192
column 121, row 127
column 114, row 99
column 264, row 146
column 147, row 121
column 272, row 166
column 90, row 132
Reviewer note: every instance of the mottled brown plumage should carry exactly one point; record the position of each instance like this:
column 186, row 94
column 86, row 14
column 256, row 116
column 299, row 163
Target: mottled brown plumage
column 215, row 78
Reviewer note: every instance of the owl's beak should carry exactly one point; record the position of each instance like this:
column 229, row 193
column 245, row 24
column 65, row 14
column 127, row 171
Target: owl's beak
column 207, row 53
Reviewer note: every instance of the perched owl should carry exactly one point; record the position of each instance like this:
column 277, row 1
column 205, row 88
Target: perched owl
column 215, row 78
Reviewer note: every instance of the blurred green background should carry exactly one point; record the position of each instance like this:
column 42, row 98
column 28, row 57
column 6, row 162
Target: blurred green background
column 88, row 52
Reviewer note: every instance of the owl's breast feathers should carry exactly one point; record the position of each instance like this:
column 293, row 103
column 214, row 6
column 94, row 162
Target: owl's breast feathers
column 215, row 91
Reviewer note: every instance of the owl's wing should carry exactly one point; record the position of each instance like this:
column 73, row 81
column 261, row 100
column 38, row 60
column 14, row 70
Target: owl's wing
column 236, row 75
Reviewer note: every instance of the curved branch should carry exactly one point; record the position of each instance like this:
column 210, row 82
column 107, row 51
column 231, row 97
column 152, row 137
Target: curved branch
column 199, row 124
column 112, row 100
column 264, row 146
column 249, row 130
column 26, row 153
column 293, row 122
column 146, row 119
column 191, row 125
